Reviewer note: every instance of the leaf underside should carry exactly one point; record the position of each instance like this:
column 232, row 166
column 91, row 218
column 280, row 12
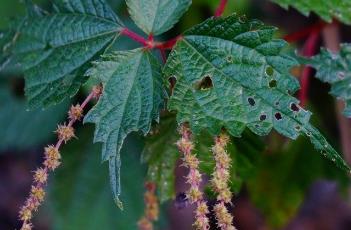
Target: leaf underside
column 155, row 16
column 326, row 9
column 132, row 97
column 335, row 69
column 161, row 155
column 231, row 73
column 54, row 50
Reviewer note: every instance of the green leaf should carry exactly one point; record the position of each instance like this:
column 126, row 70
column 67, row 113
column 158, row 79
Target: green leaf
column 161, row 155
column 132, row 97
column 18, row 125
column 54, row 49
column 326, row 9
column 157, row 16
column 335, row 69
column 80, row 192
column 231, row 73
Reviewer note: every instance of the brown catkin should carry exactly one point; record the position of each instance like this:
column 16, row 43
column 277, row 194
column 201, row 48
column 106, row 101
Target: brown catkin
column 151, row 212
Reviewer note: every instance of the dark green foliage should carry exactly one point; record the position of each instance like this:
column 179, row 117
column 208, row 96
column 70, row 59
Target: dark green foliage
column 81, row 195
column 132, row 97
column 326, row 9
column 53, row 49
column 335, row 69
column 156, row 17
column 18, row 125
column 231, row 73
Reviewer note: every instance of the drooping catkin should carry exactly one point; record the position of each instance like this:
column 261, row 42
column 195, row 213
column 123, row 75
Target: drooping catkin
column 151, row 207
column 52, row 160
column 194, row 178
column 220, row 181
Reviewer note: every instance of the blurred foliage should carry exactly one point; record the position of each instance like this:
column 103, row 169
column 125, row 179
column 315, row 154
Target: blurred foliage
column 80, row 193
column 22, row 129
column 281, row 178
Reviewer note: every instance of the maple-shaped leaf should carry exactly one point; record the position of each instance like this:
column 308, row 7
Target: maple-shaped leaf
column 132, row 97
column 53, row 49
column 232, row 73
column 326, row 9
column 335, row 69
column 157, row 16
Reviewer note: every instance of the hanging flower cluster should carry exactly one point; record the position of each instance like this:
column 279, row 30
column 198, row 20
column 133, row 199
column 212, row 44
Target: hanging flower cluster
column 220, row 181
column 194, row 178
column 52, row 160
column 151, row 207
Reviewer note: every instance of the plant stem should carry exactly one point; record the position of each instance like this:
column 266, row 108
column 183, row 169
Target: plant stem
column 221, row 7
column 305, row 32
column 136, row 37
column 309, row 50
column 331, row 36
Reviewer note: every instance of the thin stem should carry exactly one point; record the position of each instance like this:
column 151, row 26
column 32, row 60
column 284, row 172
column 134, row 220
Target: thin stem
column 221, row 7
column 136, row 37
column 163, row 55
column 168, row 44
column 305, row 32
column 309, row 50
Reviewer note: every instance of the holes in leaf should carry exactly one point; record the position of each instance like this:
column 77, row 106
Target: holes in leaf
column 341, row 75
column 272, row 84
column 229, row 59
column 277, row 103
column 251, row 101
column 204, row 84
column 308, row 134
column 263, row 117
column 278, row 116
column 297, row 128
column 294, row 107
column 242, row 19
column 269, row 71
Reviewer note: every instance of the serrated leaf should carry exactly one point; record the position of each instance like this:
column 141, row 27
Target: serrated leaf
column 326, row 9
column 335, row 69
column 161, row 155
column 54, row 49
column 132, row 97
column 18, row 125
column 231, row 73
column 80, row 192
column 157, row 16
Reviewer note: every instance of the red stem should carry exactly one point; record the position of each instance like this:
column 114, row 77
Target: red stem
column 309, row 50
column 168, row 44
column 301, row 34
column 221, row 8
column 136, row 37
column 163, row 55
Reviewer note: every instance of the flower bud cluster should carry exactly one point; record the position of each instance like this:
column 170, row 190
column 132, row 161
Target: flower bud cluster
column 220, row 180
column 194, row 178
